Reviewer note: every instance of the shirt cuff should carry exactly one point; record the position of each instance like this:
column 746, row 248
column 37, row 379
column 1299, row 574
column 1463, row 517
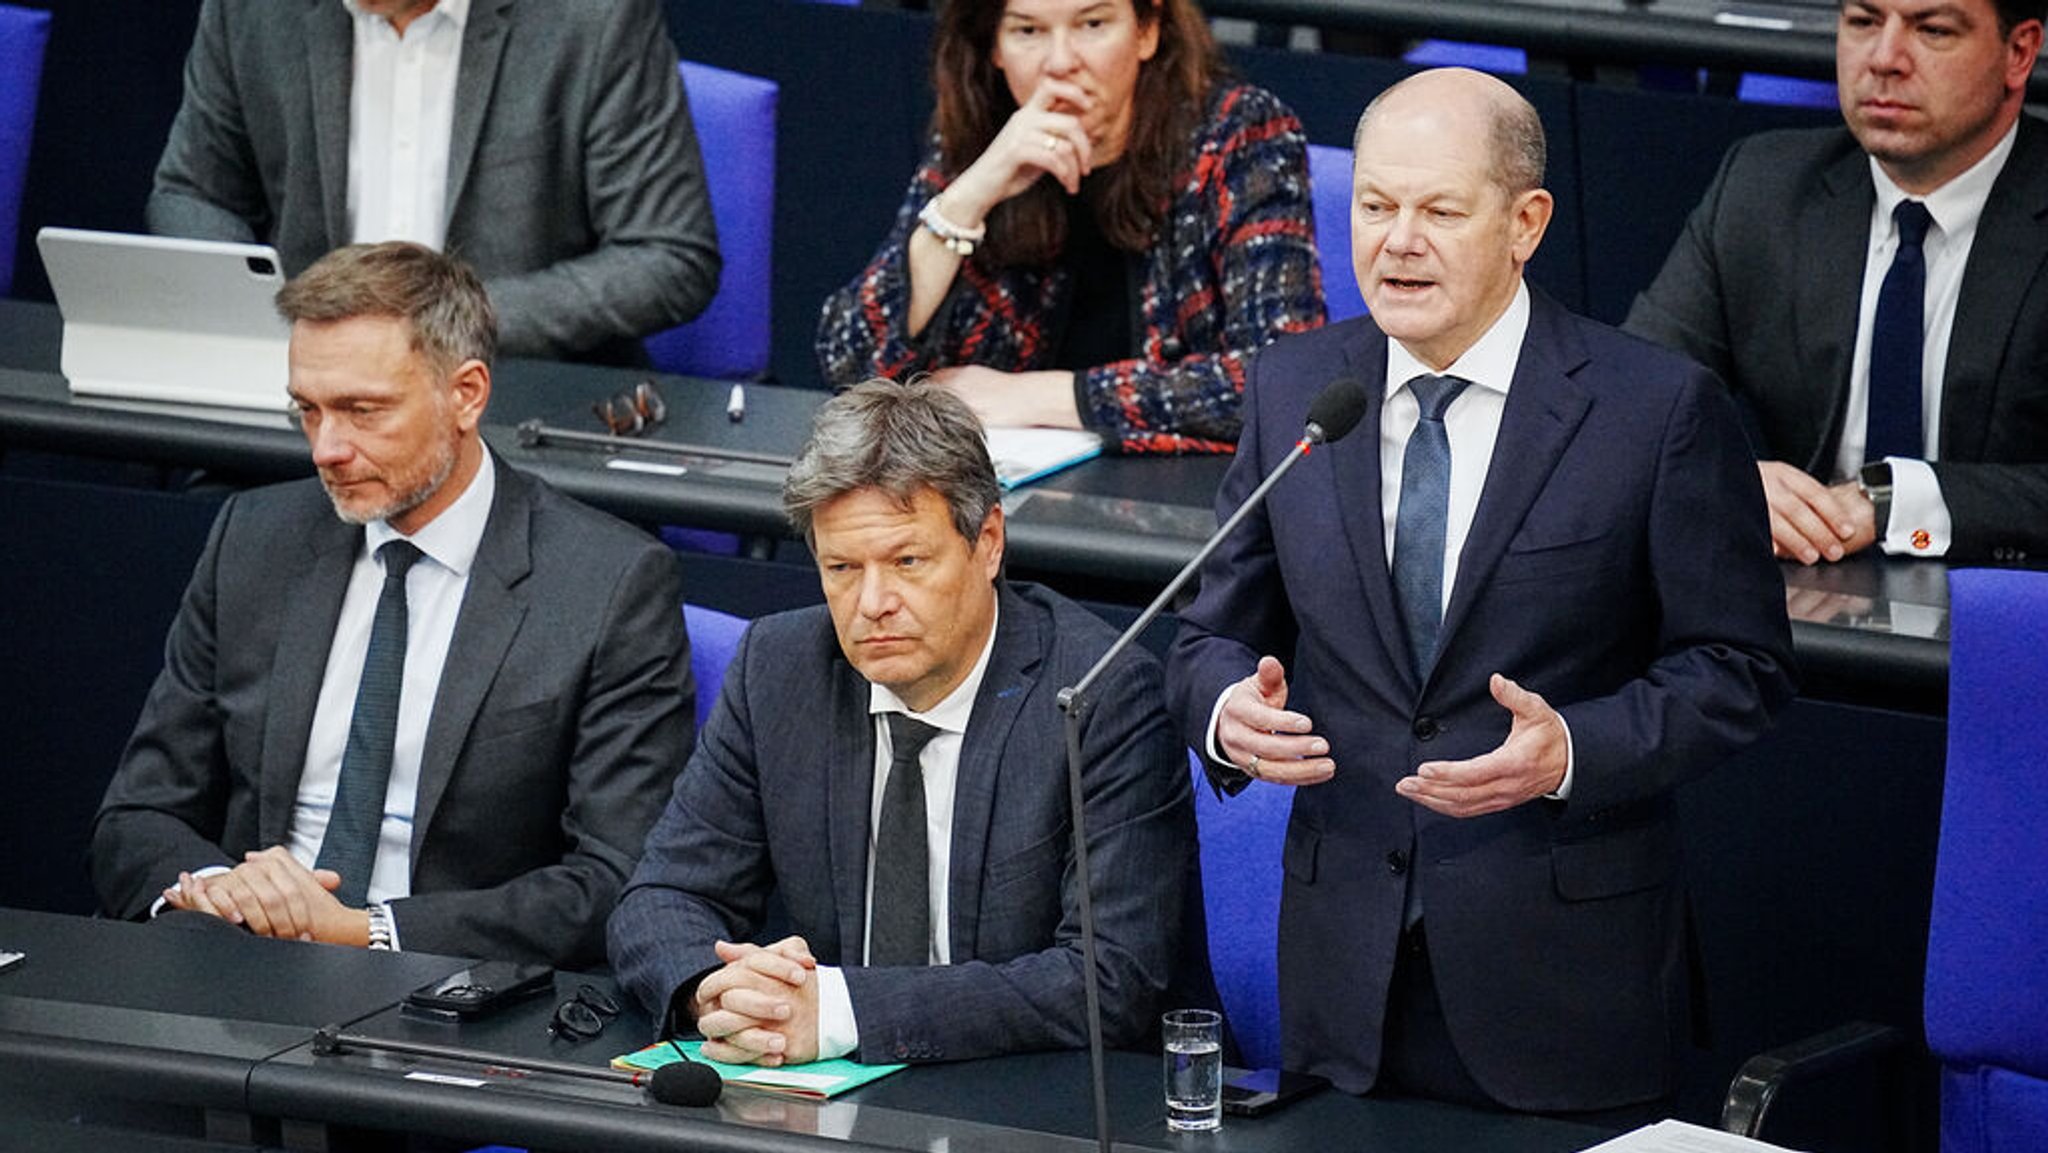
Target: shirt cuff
column 157, row 906
column 1210, row 748
column 838, row 1032
column 1571, row 764
column 1919, row 523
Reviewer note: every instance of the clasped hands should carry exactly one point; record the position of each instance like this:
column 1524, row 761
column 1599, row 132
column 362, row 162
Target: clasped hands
column 761, row 1006
column 273, row 895
column 1258, row 733
column 1811, row 521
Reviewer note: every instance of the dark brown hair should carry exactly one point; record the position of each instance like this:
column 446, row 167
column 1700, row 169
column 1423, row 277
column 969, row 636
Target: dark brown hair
column 974, row 103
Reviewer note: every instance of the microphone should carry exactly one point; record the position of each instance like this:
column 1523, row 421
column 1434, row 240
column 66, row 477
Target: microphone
column 1334, row 412
column 685, row 1082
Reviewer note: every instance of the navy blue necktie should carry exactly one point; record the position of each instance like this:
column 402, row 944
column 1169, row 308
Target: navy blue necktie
column 350, row 846
column 1896, row 338
column 1419, row 523
column 900, row 916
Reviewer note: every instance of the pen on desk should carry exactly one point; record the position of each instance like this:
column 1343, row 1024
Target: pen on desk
column 736, row 403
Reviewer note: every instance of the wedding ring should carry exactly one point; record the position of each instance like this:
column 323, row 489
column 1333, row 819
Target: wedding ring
column 1052, row 143
column 1252, row 769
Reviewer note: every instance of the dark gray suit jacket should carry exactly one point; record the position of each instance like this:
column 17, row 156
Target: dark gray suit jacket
column 562, row 715
column 574, row 183
column 1763, row 288
column 778, row 796
column 1618, row 564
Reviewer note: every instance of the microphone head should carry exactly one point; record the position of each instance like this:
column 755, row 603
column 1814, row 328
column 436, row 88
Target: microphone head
column 1335, row 411
column 685, row 1083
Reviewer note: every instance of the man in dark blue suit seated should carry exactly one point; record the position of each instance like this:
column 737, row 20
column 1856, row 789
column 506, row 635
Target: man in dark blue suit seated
column 891, row 764
column 1532, row 595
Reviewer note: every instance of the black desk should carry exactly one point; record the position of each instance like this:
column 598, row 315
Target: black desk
column 151, row 1013
column 223, row 1022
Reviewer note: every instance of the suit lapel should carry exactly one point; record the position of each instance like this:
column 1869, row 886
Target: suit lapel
column 1008, row 682
column 330, row 69
column 1544, row 409
column 2011, row 244
column 849, row 803
column 305, row 637
column 483, row 43
column 1354, row 465
column 493, row 608
column 1833, row 231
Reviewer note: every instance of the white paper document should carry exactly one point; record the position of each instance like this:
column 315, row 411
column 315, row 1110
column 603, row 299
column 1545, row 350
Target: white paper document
column 1671, row 1136
column 1022, row 455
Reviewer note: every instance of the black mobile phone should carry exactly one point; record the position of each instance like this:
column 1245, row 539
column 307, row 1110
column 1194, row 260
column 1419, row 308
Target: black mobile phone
column 480, row 988
column 1257, row 1092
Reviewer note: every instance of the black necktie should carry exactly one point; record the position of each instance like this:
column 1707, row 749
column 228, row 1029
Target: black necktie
column 900, row 916
column 1419, row 523
column 1896, row 337
column 350, row 847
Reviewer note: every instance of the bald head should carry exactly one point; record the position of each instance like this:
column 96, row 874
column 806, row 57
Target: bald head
column 1471, row 105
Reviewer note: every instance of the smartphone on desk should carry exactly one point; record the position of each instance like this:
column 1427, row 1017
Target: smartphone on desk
column 478, row 990
column 1257, row 1092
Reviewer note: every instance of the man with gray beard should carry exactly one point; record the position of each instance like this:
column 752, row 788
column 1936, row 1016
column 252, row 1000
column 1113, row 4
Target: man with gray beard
column 425, row 703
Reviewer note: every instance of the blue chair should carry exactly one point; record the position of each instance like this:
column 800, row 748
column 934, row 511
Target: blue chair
column 24, row 32
column 1496, row 58
column 714, row 637
column 1987, row 939
column 1329, row 177
column 1241, row 838
column 1791, row 91
column 734, row 115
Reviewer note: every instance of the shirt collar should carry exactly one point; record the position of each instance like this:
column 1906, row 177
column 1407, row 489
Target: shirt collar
column 1489, row 363
column 950, row 714
column 452, row 539
column 1955, row 206
column 456, row 12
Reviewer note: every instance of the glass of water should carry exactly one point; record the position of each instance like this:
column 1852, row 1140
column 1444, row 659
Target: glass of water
column 1194, row 1068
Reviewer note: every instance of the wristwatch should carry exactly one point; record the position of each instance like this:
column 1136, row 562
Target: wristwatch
column 381, row 936
column 1876, row 482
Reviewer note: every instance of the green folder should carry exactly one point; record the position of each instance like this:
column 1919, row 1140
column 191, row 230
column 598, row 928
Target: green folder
column 816, row 1080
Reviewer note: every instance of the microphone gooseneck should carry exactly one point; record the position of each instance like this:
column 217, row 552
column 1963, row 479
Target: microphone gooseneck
column 1335, row 411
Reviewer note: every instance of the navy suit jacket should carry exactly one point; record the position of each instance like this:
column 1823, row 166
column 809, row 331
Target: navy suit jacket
column 778, row 798
column 574, row 183
column 562, row 715
column 1764, row 286
column 1618, row 564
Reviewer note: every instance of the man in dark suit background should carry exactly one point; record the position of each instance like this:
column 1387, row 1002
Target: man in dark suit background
column 1921, row 427
column 1525, row 601
column 422, row 702
column 545, row 143
column 891, row 765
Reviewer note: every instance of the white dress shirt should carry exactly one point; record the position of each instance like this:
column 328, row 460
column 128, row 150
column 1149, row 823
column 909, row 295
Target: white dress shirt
column 838, row 1032
column 433, row 591
column 401, row 117
column 1919, row 513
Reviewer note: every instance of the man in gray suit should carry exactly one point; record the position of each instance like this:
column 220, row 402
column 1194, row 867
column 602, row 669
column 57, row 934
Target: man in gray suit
column 1877, row 298
column 546, row 144
column 891, row 765
column 424, row 702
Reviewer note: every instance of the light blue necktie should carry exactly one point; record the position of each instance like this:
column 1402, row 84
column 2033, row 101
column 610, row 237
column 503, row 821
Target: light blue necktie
column 1419, row 524
column 350, row 846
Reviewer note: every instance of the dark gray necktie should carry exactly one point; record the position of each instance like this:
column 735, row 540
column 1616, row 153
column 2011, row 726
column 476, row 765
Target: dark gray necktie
column 900, row 917
column 1419, row 524
column 350, row 847
column 1897, row 340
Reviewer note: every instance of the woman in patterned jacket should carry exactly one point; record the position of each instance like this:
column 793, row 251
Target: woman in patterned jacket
column 1103, row 230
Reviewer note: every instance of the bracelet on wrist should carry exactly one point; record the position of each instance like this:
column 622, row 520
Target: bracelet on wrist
column 958, row 240
column 381, row 936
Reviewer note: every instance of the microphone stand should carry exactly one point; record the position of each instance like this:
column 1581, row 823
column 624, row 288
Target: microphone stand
column 1073, row 702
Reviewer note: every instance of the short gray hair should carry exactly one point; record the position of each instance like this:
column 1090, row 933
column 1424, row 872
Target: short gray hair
column 898, row 438
column 1520, row 151
column 438, row 296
